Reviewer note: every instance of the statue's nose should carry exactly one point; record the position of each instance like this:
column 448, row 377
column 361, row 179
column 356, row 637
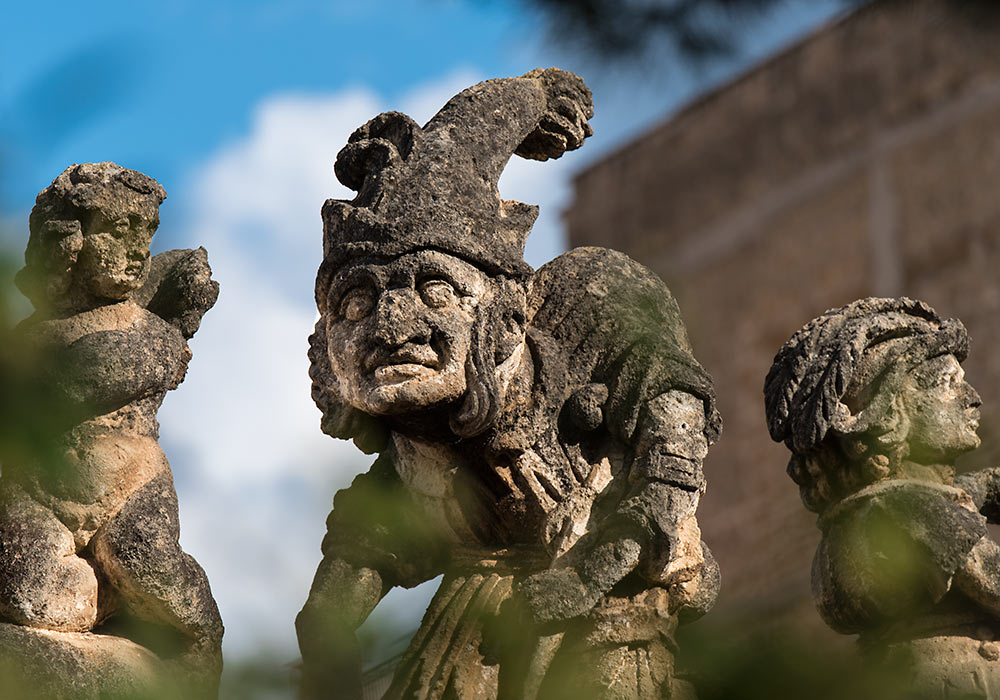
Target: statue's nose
column 973, row 397
column 398, row 318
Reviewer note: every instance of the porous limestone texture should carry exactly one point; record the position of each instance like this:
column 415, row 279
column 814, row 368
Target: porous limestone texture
column 540, row 435
column 39, row 663
column 92, row 576
column 872, row 402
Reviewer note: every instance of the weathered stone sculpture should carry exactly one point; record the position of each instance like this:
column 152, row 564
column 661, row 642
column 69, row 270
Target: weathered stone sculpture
column 97, row 599
column 871, row 400
column 540, row 434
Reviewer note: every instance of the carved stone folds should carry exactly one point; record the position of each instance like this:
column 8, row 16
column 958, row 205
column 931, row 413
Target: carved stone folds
column 540, row 434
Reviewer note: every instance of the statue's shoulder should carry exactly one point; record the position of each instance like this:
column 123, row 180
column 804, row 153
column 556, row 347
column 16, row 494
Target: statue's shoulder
column 590, row 290
column 612, row 323
column 937, row 520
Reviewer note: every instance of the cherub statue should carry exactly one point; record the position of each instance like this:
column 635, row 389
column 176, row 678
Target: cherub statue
column 540, row 435
column 89, row 530
column 871, row 400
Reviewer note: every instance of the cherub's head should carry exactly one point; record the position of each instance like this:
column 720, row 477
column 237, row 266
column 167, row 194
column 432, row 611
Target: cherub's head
column 90, row 235
column 865, row 389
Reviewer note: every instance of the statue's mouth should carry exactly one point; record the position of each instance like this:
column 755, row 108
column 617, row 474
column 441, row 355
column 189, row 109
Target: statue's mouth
column 403, row 362
column 391, row 374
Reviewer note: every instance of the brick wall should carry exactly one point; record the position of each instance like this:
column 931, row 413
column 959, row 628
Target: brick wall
column 863, row 161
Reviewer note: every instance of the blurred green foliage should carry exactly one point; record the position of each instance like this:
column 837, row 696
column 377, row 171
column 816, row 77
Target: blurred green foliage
column 697, row 31
column 757, row 660
column 33, row 415
column 621, row 32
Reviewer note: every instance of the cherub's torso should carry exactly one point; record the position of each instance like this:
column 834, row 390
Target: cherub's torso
column 107, row 457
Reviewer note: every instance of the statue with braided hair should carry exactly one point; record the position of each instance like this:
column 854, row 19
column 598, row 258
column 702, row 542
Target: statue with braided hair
column 872, row 402
column 539, row 434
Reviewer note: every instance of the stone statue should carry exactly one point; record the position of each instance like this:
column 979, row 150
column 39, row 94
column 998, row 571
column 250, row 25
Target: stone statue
column 872, row 402
column 540, row 435
column 96, row 594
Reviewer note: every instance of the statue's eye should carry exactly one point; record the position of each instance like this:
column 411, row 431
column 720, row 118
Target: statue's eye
column 356, row 304
column 437, row 293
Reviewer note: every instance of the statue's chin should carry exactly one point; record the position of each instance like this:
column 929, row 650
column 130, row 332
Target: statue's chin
column 118, row 287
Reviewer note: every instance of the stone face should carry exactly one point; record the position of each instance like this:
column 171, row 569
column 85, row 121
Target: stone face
column 539, row 433
column 92, row 576
column 871, row 400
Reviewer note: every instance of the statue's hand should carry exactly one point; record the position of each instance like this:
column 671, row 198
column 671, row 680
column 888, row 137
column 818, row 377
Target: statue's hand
column 180, row 288
column 331, row 658
column 983, row 487
column 694, row 591
column 555, row 595
column 564, row 126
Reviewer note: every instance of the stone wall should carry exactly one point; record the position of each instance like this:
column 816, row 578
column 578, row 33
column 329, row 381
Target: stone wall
column 863, row 161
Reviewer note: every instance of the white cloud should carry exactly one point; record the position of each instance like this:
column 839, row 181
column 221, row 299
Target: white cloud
column 255, row 475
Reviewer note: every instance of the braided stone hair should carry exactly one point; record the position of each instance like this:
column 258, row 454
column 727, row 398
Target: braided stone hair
column 832, row 392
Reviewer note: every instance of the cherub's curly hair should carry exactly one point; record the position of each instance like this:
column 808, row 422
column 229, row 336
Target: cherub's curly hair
column 60, row 211
column 832, row 394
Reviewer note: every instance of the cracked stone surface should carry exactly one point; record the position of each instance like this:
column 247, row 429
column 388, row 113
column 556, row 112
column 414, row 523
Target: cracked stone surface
column 92, row 576
column 539, row 434
column 871, row 400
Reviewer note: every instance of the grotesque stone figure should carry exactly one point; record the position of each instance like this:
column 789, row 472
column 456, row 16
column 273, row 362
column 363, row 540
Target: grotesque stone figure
column 540, row 434
column 96, row 594
column 871, row 400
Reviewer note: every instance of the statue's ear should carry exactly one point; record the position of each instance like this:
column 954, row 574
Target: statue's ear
column 50, row 257
column 64, row 241
column 385, row 140
column 513, row 319
column 896, row 421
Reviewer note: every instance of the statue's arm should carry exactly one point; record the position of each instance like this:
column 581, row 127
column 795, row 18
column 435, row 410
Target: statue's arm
column 105, row 370
column 373, row 542
column 180, row 289
column 653, row 530
column 341, row 598
column 979, row 576
column 984, row 487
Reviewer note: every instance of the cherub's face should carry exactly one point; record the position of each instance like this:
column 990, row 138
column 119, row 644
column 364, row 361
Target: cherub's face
column 399, row 332
column 114, row 259
column 943, row 410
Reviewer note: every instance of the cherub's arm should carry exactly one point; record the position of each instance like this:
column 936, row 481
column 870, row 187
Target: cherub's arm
column 984, row 487
column 180, row 288
column 105, row 370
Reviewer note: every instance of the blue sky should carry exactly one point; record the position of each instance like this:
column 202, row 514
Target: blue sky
column 238, row 108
